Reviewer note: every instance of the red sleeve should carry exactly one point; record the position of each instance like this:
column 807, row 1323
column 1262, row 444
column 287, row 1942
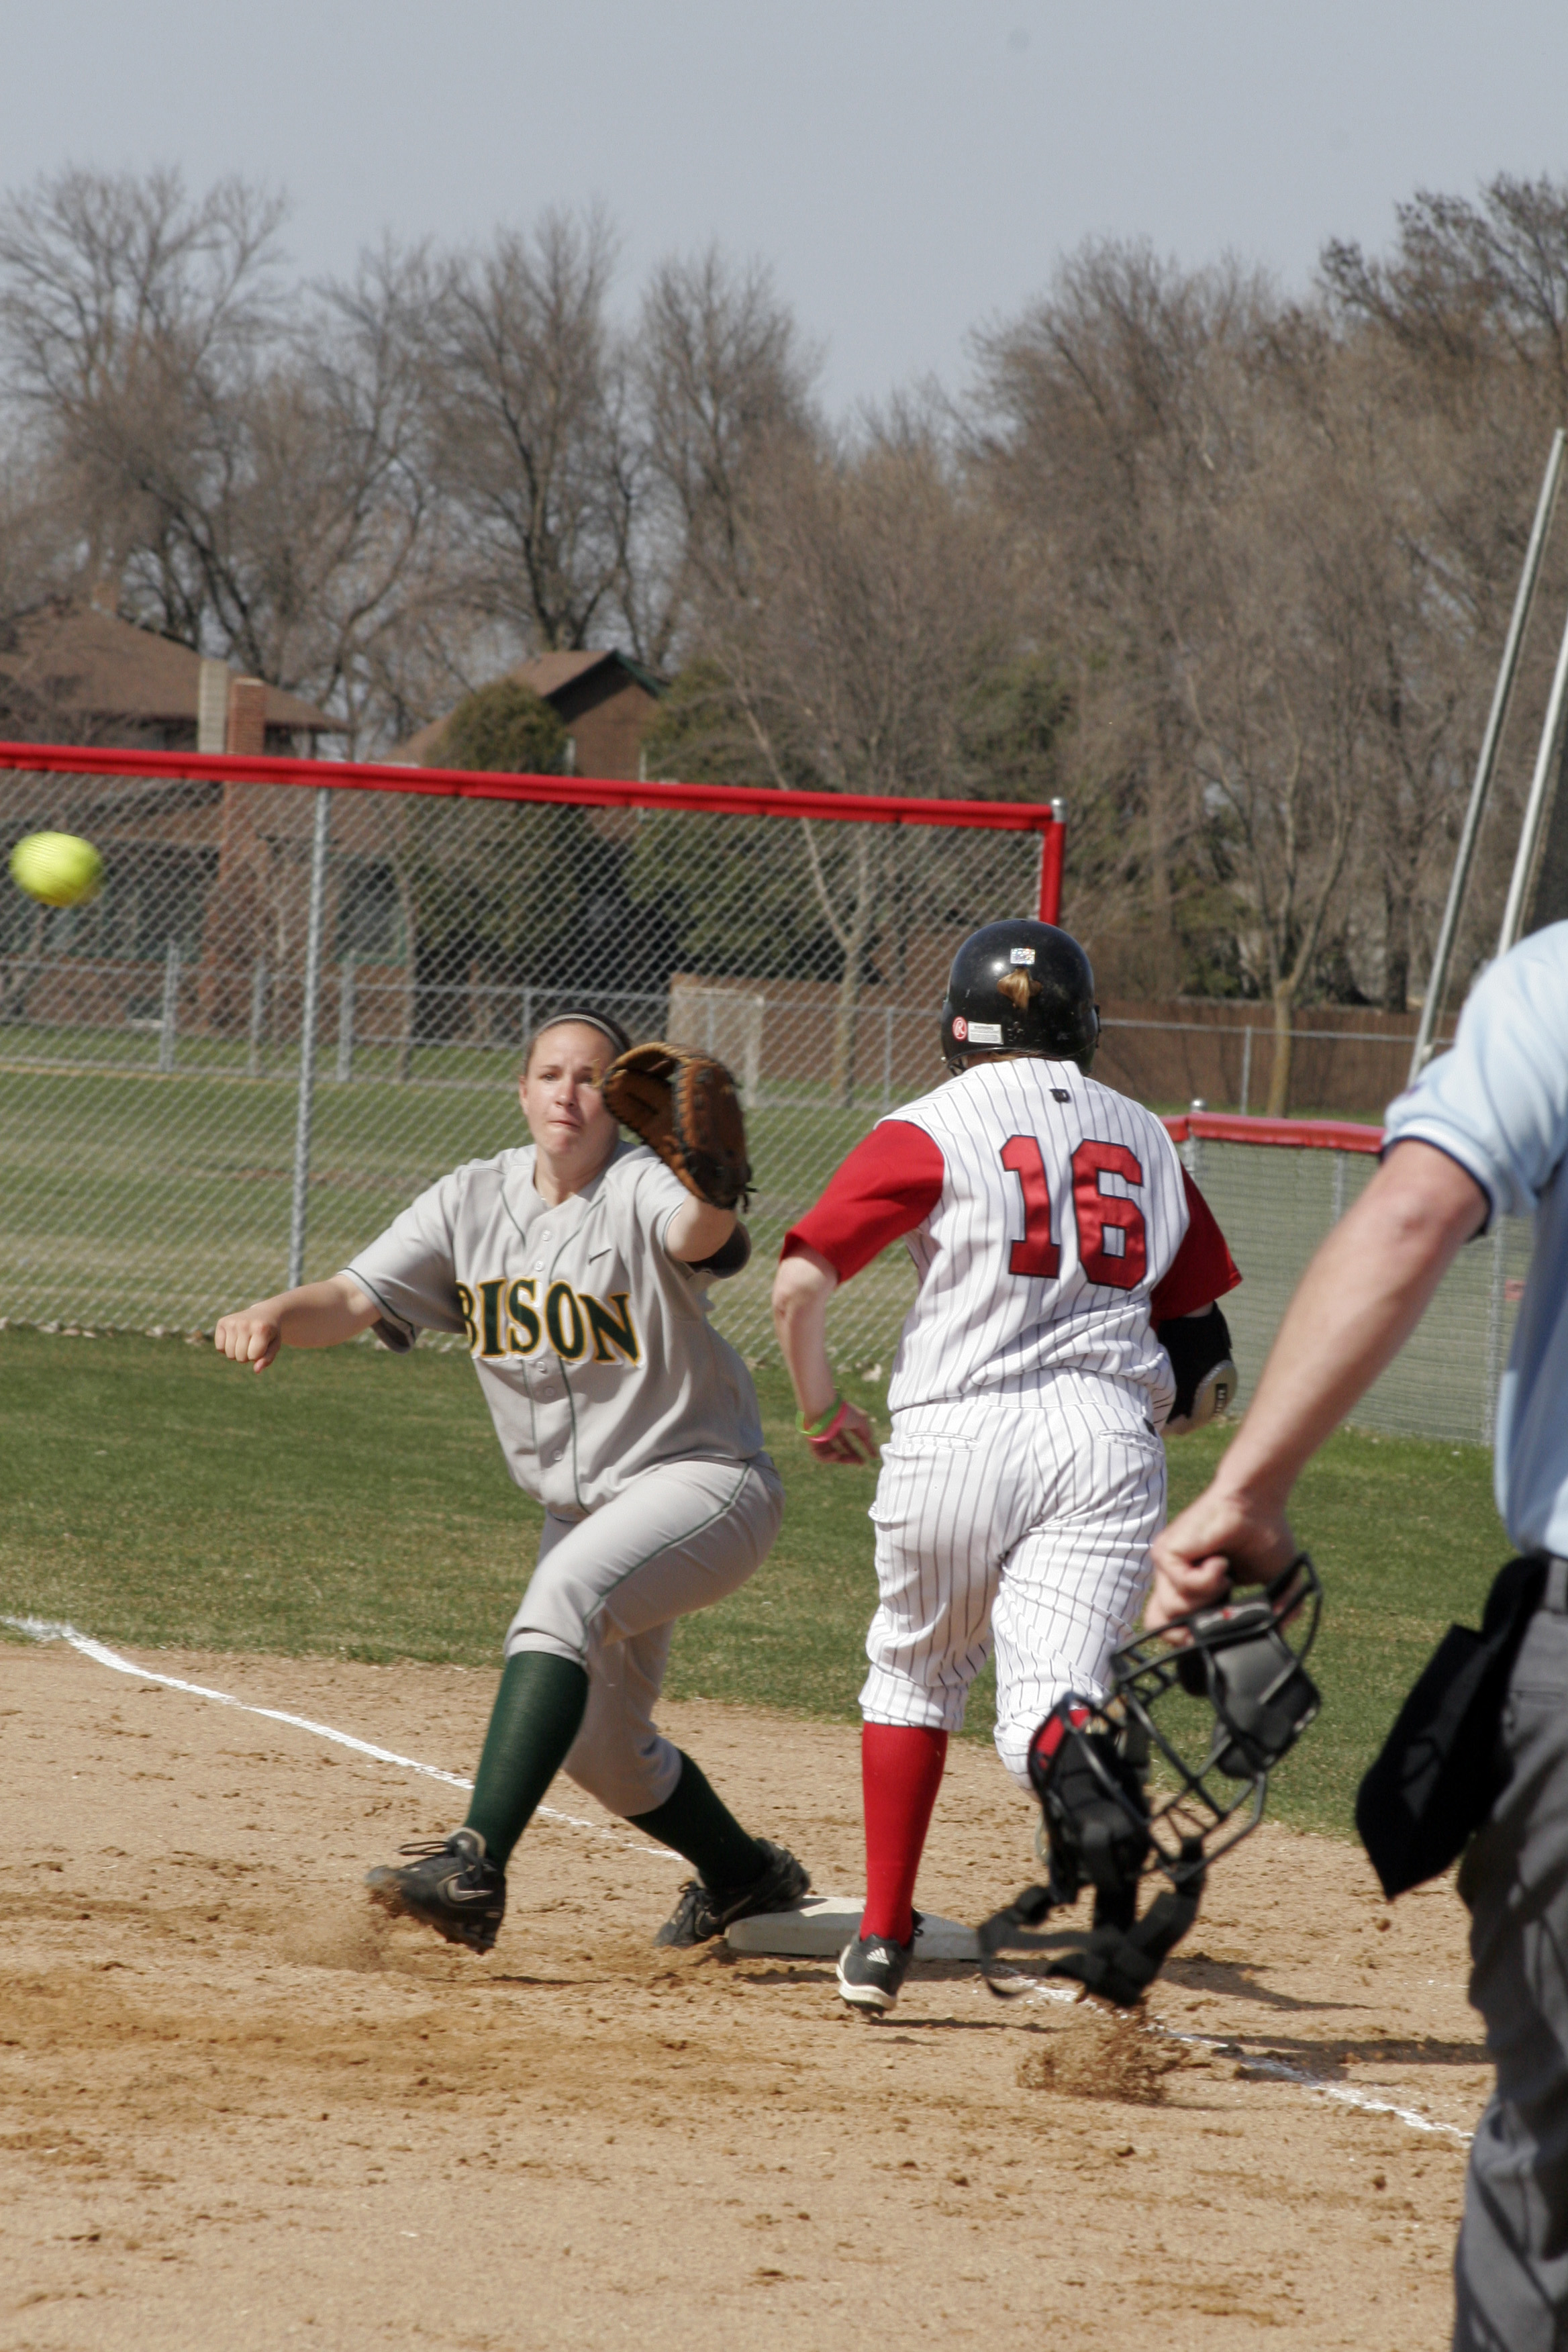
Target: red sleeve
column 889, row 1184
column 1202, row 1268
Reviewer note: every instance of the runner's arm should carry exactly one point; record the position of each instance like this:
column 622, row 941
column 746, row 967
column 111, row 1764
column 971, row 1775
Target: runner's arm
column 889, row 1184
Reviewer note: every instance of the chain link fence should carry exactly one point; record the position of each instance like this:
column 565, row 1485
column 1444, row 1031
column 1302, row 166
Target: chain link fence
column 289, row 1010
column 1346, row 1062
column 1276, row 1203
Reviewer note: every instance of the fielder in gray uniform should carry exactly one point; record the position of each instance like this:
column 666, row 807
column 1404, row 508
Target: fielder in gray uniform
column 577, row 1269
column 1484, row 1132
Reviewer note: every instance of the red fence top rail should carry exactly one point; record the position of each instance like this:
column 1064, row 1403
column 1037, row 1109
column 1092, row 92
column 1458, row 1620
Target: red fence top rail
column 1293, row 1134
column 579, row 792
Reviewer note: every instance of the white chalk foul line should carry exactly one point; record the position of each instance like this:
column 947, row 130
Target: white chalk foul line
column 38, row 1629
column 1273, row 2069
column 1343, row 2092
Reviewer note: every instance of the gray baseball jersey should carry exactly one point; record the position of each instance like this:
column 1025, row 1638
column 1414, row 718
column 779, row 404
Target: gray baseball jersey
column 593, row 1344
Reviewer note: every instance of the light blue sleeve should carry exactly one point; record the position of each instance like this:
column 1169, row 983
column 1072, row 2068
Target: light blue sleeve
column 1498, row 1102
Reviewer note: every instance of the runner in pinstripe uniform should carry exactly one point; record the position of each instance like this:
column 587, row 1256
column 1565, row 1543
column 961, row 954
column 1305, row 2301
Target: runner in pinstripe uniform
column 1068, row 1270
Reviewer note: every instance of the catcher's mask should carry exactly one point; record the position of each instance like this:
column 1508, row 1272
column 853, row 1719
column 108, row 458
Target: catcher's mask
column 1020, row 988
column 1089, row 1766
column 1246, row 1657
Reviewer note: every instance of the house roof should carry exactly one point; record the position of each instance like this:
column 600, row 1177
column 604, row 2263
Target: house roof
column 549, row 675
column 92, row 664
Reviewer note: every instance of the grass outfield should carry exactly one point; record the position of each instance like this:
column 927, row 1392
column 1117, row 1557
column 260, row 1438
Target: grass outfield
column 354, row 1503
column 136, row 1201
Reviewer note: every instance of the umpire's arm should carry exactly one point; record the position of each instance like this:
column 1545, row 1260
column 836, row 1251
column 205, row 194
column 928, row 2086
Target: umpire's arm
column 1356, row 1305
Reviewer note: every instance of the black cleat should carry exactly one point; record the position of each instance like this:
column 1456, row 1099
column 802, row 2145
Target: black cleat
column 701, row 1914
column 871, row 1969
column 452, row 1887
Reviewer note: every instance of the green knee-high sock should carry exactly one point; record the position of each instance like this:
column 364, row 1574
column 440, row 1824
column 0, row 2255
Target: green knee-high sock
column 537, row 1715
column 699, row 1824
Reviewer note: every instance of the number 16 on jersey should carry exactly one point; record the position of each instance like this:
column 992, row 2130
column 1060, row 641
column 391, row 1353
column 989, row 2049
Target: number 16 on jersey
column 1098, row 1215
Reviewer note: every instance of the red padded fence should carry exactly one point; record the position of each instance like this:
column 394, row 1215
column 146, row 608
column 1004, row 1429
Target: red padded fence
column 1290, row 1134
column 560, row 792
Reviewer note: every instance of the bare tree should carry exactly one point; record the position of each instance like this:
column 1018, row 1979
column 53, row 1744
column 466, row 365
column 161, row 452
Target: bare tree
column 297, row 509
column 723, row 379
column 533, row 443
column 1455, row 347
column 1387, row 469
column 1099, row 419
column 1253, row 534
column 118, row 297
column 245, row 470
column 1277, row 672
column 1472, row 282
column 871, row 600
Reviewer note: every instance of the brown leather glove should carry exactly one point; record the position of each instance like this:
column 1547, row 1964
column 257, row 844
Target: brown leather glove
column 686, row 1106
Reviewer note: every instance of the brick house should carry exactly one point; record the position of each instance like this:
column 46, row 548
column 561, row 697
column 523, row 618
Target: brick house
column 72, row 673
column 604, row 702
column 77, row 674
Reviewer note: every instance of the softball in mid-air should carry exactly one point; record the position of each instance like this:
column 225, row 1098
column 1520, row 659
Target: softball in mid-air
column 58, row 868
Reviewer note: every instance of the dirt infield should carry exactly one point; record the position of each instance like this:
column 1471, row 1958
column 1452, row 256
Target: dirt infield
column 238, row 2111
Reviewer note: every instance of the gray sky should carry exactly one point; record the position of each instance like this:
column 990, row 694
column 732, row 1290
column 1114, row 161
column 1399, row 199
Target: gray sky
column 910, row 170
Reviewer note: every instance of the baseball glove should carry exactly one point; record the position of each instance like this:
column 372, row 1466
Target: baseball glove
column 684, row 1105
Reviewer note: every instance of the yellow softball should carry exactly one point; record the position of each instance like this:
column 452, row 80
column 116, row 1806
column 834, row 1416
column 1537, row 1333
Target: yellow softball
column 59, row 869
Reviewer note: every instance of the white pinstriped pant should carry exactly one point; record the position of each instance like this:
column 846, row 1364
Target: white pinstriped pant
column 1026, row 1526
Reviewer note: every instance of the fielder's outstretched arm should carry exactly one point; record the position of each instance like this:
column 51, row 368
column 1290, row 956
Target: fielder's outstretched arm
column 317, row 1315
column 1356, row 1305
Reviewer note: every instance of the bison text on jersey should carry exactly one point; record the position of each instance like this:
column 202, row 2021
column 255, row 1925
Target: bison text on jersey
column 592, row 1346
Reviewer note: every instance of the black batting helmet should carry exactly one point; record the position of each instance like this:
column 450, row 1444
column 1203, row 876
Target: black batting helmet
column 1020, row 988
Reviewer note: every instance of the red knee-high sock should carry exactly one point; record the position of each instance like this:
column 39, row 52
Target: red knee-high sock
column 900, row 1772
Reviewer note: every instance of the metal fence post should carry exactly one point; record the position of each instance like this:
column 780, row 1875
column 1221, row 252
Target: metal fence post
column 170, row 1022
column 1495, row 1298
column 1442, row 954
column 887, row 1057
column 752, row 1057
column 1245, row 1068
column 300, row 1205
column 1338, row 1207
column 257, row 1018
column 346, row 1019
column 1191, row 1153
column 1537, row 808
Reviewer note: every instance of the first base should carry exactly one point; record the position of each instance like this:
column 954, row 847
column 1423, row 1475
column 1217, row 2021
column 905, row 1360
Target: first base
column 824, row 1924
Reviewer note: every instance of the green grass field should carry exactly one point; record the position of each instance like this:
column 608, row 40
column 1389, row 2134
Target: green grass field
column 135, row 1201
column 354, row 1505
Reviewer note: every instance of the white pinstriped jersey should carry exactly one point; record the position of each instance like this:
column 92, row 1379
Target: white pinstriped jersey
column 1062, row 1204
column 1052, row 1226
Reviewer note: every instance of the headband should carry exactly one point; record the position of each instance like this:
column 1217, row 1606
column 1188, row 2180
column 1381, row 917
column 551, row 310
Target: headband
column 611, row 1030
